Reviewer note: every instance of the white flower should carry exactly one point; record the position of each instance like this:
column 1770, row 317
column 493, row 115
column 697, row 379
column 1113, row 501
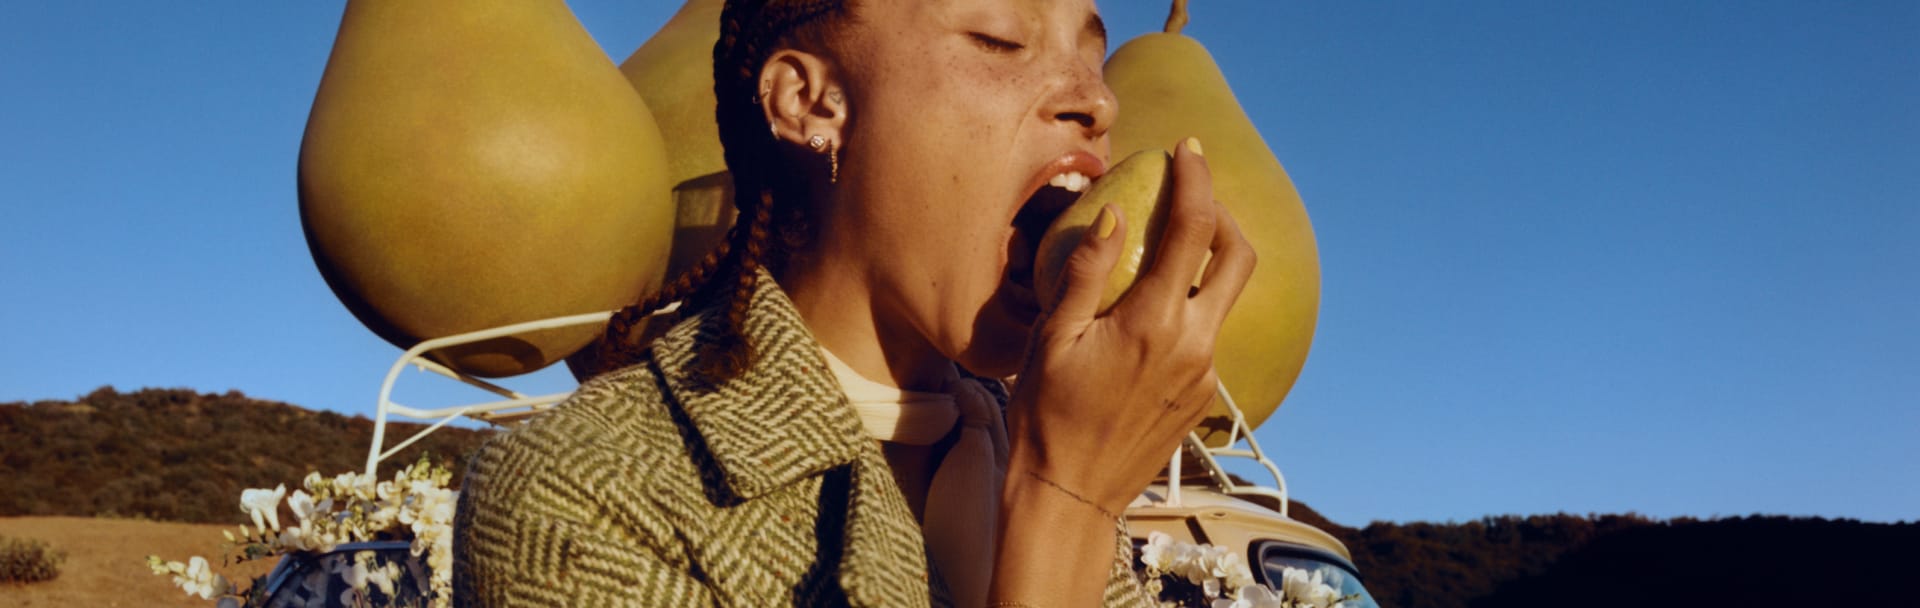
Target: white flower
column 1308, row 590
column 264, row 506
column 199, row 580
column 356, row 574
column 1234, row 570
column 1158, row 552
column 1253, row 596
column 383, row 578
column 306, row 509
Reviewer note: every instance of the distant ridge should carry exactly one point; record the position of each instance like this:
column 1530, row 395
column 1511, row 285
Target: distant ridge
column 180, row 455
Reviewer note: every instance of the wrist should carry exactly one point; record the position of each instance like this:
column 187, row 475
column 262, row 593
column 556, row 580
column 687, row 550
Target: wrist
column 1055, row 550
column 1071, row 474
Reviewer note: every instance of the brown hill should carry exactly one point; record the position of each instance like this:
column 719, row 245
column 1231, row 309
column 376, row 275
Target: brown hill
column 179, row 455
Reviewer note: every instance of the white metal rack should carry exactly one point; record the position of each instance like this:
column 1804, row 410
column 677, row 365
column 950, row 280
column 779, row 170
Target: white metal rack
column 515, row 406
column 1209, row 458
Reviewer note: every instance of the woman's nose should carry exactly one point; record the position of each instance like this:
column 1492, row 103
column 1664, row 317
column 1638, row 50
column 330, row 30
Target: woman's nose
column 1083, row 98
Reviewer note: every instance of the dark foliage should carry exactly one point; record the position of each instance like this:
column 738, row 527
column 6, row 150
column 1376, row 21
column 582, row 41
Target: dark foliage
column 25, row 560
column 179, row 455
column 1753, row 561
column 1575, row 561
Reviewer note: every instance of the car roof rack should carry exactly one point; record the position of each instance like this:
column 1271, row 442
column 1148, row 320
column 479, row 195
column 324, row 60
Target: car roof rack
column 1209, row 460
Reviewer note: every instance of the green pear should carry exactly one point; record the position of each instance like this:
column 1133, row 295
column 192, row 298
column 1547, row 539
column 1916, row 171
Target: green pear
column 673, row 72
column 476, row 163
column 1141, row 188
column 1170, row 88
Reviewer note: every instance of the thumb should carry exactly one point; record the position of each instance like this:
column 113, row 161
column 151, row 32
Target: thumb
column 1084, row 280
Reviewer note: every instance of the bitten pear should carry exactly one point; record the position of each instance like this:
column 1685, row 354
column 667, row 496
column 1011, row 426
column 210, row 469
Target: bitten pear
column 476, row 163
column 1141, row 188
column 1169, row 88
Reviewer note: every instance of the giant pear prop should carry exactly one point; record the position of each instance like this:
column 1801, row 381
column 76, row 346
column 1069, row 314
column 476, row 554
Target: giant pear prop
column 673, row 72
column 1170, row 88
column 476, row 163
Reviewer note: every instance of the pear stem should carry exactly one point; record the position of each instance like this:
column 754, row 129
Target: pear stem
column 1177, row 18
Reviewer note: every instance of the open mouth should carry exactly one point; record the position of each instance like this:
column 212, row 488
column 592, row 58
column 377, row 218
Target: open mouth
column 1055, row 187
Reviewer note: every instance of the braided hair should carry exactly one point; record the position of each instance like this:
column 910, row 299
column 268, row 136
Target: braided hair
column 764, row 188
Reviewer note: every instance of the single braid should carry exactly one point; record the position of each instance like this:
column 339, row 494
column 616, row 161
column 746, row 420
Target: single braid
column 729, row 354
column 763, row 188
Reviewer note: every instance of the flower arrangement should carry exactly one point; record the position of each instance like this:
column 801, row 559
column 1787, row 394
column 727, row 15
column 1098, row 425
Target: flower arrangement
column 415, row 506
column 1187, row 574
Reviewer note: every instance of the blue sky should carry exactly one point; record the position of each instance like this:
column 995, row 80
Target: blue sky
column 1579, row 256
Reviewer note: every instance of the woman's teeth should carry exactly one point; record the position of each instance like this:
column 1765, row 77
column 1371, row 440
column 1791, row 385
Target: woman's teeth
column 1071, row 181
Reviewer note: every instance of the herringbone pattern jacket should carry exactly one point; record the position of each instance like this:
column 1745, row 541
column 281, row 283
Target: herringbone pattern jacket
column 647, row 489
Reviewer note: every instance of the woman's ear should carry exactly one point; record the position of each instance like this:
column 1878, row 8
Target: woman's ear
column 802, row 97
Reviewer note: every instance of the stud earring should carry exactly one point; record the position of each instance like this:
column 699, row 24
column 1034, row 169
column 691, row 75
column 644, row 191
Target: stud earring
column 817, row 142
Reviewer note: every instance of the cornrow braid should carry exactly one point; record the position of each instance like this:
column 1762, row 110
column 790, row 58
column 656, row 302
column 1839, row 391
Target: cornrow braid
column 750, row 31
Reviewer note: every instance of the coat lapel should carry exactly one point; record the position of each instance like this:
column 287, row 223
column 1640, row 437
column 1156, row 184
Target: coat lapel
column 785, row 419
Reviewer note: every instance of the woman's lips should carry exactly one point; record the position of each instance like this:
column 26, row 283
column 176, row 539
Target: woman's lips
column 1077, row 161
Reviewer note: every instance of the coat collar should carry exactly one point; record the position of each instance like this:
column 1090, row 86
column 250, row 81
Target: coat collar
column 784, row 418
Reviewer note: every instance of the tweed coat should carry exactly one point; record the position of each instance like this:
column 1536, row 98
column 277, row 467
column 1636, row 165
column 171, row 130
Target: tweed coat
column 646, row 488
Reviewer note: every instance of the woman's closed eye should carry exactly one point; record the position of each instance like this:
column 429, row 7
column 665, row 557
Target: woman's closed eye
column 994, row 43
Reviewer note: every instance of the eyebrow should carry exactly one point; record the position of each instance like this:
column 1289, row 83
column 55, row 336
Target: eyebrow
column 1097, row 28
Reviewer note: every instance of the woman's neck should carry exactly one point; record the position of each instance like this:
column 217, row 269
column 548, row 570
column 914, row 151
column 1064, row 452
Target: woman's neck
column 841, row 310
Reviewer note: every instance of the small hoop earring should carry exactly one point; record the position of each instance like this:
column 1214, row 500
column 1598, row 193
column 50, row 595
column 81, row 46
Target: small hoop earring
column 817, row 142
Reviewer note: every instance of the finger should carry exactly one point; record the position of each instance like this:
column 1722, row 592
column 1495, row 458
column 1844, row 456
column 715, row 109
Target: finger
column 1189, row 228
column 1231, row 267
column 1084, row 280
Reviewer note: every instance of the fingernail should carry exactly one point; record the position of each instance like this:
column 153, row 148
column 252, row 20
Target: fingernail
column 1104, row 225
column 1193, row 145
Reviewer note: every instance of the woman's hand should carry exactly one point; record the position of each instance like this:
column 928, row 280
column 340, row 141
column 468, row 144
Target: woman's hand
column 1104, row 399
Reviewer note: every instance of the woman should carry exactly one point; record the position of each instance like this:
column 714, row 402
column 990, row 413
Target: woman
column 812, row 431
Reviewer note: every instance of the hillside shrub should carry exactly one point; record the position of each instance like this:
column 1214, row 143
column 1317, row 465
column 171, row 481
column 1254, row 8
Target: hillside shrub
column 26, row 560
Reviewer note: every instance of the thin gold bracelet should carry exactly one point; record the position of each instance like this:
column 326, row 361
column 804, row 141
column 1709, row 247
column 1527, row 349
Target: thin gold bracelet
column 1063, row 490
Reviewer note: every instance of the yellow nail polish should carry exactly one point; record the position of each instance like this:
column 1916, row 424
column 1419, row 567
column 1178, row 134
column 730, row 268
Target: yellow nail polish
column 1104, row 225
column 1193, row 145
